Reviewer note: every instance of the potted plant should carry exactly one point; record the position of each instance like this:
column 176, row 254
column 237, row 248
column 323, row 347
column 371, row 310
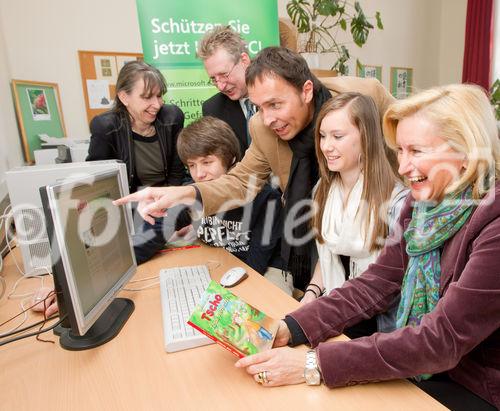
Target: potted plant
column 495, row 98
column 321, row 21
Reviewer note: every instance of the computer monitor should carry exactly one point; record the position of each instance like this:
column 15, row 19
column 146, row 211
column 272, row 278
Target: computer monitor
column 23, row 185
column 92, row 257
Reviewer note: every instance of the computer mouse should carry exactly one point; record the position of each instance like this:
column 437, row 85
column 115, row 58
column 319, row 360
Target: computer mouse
column 233, row 277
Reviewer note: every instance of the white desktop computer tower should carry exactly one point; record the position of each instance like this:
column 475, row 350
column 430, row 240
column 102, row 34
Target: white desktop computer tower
column 23, row 184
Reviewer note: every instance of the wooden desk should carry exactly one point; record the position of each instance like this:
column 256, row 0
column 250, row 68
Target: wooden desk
column 133, row 372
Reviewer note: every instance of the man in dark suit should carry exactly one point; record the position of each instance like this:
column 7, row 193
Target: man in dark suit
column 225, row 57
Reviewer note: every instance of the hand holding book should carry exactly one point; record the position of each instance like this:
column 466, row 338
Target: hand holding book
column 282, row 335
column 232, row 323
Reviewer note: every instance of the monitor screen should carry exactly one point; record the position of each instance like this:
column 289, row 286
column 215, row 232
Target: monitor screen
column 24, row 193
column 92, row 253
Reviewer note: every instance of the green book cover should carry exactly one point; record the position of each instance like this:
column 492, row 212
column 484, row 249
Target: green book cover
column 232, row 323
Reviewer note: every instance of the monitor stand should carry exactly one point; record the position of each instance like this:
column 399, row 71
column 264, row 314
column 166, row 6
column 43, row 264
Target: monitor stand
column 107, row 326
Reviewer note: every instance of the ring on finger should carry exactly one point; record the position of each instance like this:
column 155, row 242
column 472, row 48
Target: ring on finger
column 260, row 377
column 264, row 377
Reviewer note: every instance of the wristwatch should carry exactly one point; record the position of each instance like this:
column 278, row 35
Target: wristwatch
column 311, row 371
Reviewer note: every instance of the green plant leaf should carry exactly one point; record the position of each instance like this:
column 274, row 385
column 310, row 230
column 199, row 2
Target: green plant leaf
column 360, row 26
column 326, row 7
column 300, row 14
column 305, row 15
column 379, row 20
column 359, row 66
column 495, row 98
column 340, row 65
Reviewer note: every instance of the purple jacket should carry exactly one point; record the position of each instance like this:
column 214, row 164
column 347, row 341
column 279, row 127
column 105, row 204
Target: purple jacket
column 461, row 335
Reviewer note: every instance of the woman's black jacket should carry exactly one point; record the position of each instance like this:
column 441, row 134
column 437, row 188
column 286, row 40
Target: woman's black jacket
column 111, row 138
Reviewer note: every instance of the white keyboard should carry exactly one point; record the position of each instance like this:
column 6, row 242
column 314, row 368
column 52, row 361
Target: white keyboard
column 181, row 289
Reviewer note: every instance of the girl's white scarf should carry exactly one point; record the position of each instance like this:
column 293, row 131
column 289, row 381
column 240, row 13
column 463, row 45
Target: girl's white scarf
column 344, row 233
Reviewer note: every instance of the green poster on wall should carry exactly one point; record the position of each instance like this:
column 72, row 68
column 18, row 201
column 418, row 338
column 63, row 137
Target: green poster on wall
column 171, row 30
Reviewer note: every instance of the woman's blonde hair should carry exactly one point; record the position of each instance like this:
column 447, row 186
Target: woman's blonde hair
column 464, row 118
column 379, row 178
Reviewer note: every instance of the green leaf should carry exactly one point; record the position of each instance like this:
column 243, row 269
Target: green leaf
column 345, row 52
column 343, row 24
column 299, row 13
column 360, row 27
column 495, row 98
column 326, row 7
column 379, row 20
column 359, row 66
column 340, row 65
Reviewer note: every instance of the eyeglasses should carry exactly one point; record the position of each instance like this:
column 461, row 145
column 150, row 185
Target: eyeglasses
column 222, row 78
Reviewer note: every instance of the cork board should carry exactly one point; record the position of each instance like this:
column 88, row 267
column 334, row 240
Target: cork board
column 99, row 70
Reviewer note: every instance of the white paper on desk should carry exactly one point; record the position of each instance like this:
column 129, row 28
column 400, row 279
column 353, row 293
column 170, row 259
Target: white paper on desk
column 98, row 92
column 45, row 138
column 62, row 141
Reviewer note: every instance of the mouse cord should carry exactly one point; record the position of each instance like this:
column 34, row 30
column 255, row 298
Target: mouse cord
column 156, row 277
column 216, row 264
column 144, row 287
column 153, row 277
column 20, row 279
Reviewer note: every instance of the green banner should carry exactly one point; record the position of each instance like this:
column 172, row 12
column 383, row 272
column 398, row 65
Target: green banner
column 171, row 30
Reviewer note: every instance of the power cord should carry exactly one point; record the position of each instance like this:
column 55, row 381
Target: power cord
column 4, row 218
column 36, row 333
column 40, row 277
column 20, row 330
column 25, row 297
column 13, row 255
column 24, row 313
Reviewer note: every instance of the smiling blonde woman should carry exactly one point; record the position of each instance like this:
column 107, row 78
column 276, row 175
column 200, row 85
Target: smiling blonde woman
column 445, row 268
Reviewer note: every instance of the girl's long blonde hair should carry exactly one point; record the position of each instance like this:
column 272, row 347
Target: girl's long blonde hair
column 379, row 177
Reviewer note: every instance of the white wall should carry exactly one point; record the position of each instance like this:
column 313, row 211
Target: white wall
column 42, row 44
column 39, row 40
column 426, row 35
column 452, row 40
column 10, row 147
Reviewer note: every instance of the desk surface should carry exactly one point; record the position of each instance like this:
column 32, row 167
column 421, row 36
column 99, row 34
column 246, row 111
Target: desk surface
column 133, row 372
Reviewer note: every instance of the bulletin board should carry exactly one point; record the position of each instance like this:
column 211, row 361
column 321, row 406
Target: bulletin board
column 99, row 70
column 38, row 108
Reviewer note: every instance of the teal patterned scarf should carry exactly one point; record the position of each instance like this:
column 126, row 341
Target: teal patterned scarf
column 429, row 228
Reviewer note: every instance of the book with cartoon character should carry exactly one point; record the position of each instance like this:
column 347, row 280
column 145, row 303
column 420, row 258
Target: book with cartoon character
column 232, row 323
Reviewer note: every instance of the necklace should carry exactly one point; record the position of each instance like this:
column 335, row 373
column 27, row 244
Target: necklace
column 146, row 132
